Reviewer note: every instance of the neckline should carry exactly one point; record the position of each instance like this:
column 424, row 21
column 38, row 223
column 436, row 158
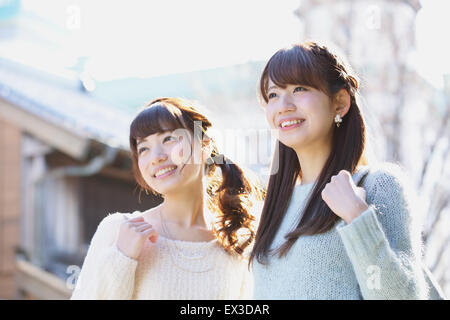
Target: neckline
column 302, row 186
column 188, row 242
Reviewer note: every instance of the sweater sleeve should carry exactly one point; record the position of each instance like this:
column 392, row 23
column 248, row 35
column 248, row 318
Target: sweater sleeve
column 107, row 273
column 384, row 245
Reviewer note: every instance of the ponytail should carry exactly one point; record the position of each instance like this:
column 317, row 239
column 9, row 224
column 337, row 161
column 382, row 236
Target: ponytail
column 232, row 199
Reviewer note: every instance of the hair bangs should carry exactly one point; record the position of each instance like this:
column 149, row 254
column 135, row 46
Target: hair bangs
column 293, row 65
column 157, row 118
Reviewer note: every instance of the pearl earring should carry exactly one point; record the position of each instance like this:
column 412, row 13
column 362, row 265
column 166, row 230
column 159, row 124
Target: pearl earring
column 338, row 120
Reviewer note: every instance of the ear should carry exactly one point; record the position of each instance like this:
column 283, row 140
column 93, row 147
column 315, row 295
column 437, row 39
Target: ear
column 341, row 102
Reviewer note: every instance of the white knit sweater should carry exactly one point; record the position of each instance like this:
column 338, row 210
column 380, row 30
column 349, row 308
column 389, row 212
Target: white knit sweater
column 167, row 269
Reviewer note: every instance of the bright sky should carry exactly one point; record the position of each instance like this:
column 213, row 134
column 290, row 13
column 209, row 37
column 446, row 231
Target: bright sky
column 432, row 39
column 149, row 38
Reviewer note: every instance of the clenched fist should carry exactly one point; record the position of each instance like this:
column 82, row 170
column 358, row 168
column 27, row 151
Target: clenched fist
column 132, row 235
column 343, row 197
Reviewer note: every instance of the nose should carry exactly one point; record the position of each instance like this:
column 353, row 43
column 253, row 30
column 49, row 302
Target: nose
column 158, row 156
column 286, row 104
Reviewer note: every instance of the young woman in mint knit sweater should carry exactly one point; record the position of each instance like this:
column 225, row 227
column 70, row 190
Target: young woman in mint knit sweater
column 191, row 246
column 320, row 235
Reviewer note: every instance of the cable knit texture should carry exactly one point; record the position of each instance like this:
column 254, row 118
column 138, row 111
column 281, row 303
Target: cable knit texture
column 377, row 256
column 168, row 269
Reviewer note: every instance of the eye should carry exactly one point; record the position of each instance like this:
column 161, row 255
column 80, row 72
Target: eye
column 170, row 138
column 298, row 89
column 271, row 95
column 141, row 150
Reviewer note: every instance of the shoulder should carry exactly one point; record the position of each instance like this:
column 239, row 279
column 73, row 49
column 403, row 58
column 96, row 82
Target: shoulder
column 391, row 193
column 107, row 228
column 387, row 177
column 117, row 217
column 390, row 188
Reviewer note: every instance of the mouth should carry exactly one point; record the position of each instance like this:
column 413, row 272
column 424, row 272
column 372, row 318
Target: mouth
column 290, row 124
column 165, row 172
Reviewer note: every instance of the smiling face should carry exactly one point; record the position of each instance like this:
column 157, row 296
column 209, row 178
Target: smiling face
column 169, row 146
column 170, row 161
column 300, row 114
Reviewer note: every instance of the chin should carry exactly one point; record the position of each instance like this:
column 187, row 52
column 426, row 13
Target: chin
column 292, row 142
column 174, row 186
column 168, row 188
column 165, row 191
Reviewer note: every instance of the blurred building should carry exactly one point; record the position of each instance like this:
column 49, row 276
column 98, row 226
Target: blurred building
column 64, row 155
column 64, row 165
column 64, row 158
column 65, row 162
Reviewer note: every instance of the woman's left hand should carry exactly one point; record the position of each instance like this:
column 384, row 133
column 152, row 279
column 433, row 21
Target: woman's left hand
column 343, row 197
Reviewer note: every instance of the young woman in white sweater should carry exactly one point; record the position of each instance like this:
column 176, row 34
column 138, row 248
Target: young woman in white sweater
column 192, row 245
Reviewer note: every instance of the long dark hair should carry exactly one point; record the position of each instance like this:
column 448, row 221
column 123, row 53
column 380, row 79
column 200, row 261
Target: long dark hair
column 316, row 66
column 229, row 191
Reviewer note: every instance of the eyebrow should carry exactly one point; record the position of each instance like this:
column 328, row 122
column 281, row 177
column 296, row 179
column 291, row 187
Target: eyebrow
column 272, row 87
column 139, row 141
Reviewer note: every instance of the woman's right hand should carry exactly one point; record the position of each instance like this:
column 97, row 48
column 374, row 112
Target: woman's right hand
column 132, row 235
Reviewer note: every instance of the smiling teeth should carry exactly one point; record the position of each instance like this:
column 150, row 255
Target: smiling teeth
column 163, row 171
column 290, row 123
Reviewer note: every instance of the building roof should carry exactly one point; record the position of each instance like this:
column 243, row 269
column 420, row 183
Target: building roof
column 63, row 104
column 105, row 114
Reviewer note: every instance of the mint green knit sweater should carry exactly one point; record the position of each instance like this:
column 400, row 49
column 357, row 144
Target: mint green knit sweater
column 377, row 256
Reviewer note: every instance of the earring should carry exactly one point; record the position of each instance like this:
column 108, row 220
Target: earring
column 338, row 120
